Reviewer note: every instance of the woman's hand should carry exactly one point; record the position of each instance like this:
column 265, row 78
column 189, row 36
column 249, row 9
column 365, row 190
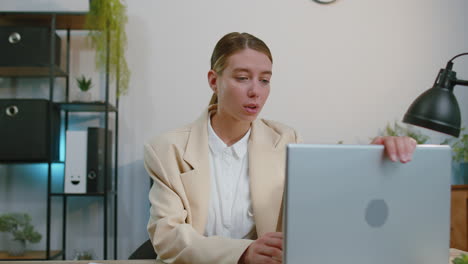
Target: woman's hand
column 397, row 148
column 267, row 249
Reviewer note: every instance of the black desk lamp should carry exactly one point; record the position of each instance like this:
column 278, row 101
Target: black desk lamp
column 437, row 108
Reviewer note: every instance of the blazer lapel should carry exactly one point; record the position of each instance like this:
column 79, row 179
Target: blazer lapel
column 266, row 172
column 197, row 181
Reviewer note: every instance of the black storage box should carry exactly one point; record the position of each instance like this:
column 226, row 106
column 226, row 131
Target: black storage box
column 96, row 162
column 24, row 130
column 27, row 47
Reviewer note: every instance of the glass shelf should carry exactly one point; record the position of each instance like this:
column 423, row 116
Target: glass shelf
column 86, row 107
column 31, row 72
column 84, row 194
column 30, row 255
column 63, row 21
column 18, row 162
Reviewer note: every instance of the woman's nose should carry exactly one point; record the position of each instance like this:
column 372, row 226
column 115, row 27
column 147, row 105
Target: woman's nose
column 253, row 90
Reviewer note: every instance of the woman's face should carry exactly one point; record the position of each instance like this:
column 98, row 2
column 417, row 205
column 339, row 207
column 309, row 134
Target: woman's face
column 244, row 85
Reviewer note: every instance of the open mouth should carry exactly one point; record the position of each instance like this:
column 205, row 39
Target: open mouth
column 251, row 108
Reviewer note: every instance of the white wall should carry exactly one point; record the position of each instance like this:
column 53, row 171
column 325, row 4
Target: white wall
column 341, row 72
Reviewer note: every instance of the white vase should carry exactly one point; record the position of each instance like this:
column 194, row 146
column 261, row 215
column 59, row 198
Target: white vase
column 82, row 96
column 16, row 247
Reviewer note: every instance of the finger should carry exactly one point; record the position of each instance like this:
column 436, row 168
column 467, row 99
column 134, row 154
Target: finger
column 271, row 252
column 412, row 147
column 280, row 260
column 390, row 148
column 265, row 259
column 274, row 234
column 402, row 152
column 274, row 242
column 377, row 141
column 408, row 146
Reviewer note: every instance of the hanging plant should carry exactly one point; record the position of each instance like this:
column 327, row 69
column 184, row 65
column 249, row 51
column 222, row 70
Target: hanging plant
column 108, row 18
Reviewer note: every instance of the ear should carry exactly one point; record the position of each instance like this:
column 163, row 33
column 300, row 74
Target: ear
column 212, row 78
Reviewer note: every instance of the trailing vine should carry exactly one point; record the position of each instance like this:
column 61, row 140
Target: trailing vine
column 108, row 18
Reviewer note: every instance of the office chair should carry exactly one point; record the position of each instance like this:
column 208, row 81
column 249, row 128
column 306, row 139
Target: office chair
column 144, row 251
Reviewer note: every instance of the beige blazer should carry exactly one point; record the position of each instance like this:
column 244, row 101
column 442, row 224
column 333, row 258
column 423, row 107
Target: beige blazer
column 178, row 163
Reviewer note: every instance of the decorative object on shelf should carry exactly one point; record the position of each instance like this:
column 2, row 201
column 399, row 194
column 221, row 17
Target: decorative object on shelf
column 27, row 46
column 109, row 17
column 19, row 225
column 18, row 117
column 84, row 84
column 83, row 255
column 399, row 130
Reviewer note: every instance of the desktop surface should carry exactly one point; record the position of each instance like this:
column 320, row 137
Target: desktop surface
column 453, row 254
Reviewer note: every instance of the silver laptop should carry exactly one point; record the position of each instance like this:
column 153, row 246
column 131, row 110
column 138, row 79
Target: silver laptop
column 350, row 204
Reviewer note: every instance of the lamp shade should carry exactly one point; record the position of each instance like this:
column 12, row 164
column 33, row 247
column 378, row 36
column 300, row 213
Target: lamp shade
column 436, row 109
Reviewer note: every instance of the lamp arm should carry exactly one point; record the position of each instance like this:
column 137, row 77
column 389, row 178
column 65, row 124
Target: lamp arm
column 461, row 82
column 452, row 80
column 459, row 55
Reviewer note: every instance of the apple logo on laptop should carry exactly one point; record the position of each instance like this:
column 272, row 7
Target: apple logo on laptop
column 376, row 213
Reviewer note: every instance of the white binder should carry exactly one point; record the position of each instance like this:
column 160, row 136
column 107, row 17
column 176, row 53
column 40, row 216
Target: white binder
column 75, row 162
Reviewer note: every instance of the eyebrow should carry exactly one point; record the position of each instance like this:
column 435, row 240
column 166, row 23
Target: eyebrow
column 247, row 70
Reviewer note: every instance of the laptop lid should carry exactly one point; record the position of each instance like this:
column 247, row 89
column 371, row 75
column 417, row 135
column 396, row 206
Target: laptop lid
column 351, row 204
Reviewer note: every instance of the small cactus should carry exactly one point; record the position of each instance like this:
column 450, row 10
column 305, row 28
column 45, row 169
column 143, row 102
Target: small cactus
column 83, row 83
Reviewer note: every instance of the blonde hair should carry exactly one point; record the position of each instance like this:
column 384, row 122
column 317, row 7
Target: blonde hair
column 230, row 44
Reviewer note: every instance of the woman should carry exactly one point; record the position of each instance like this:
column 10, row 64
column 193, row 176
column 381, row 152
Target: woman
column 218, row 182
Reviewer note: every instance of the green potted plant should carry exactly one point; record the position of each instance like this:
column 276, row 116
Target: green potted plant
column 462, row 259
column 399, row 131
column 19, row 225
column 460, row 157
column 459, row 147
column 107, row 19
column 84, row 85
column 84, row 255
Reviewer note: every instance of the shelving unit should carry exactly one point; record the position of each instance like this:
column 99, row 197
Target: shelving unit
column 68, row 22
column 30, row 255
column 87, row 107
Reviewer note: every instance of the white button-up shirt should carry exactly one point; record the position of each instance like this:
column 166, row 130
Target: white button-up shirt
column 230, row 210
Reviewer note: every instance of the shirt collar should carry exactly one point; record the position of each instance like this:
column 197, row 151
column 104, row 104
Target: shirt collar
column 217, row 145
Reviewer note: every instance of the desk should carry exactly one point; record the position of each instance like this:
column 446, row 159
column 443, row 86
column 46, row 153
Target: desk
column 459, row 217
column 453, row 254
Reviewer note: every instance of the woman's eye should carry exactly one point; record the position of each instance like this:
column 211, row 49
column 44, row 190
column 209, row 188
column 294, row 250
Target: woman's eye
column 265, row 81
column 242, row 78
